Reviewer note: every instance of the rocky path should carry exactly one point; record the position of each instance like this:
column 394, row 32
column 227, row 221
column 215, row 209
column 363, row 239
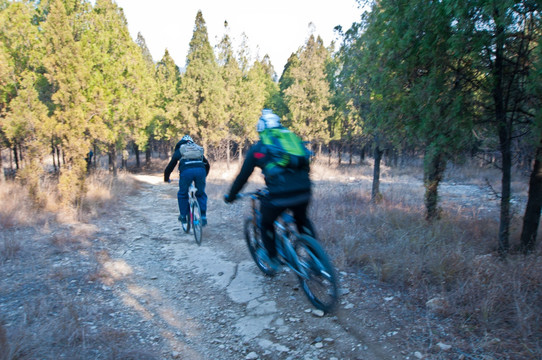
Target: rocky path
column 183, row 301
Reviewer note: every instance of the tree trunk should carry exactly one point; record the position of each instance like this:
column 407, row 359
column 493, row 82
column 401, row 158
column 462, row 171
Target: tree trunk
column 435, row 165
column 53, row 154
column 504, row 227
column 531, row 219
column 57, row 157
column 240, row 153
column 21, row 156
column 504, row 131
column 113, row 160
column 95, row 157
column 16, row 157
column 2, row 178
column 228, row 146
column 138, row 160
column 148, row 156
column 350, row 153
column 375, row 191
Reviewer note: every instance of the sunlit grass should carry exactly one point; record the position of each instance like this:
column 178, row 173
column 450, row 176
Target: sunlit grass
column 16, row 207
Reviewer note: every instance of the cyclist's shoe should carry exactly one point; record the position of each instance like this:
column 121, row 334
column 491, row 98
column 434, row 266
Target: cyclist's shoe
column 203, row 220
column 183, row 219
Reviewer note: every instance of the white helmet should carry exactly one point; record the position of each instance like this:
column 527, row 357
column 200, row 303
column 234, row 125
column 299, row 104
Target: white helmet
column 268, row 120
column 187, row 138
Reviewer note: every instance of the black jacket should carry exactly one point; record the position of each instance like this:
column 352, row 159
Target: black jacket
column 182, row 163
column 292, row 186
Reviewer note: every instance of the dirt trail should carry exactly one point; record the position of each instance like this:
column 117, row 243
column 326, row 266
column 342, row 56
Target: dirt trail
column 212, row 302
column 131, row 285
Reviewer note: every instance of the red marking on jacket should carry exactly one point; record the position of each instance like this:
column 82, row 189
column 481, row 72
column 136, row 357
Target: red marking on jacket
column 259, row 155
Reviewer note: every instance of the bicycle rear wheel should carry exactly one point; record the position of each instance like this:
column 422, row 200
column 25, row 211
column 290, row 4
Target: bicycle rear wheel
column 196, row 222
column 319, row 281
column 256, row 247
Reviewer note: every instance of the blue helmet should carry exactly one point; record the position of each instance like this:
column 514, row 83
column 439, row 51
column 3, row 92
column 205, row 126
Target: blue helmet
column 187, row 138
column 268, row 120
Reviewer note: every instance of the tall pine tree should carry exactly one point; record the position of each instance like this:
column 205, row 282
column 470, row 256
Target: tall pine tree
column 202, row 98
column 308, row 96
column 69, row 77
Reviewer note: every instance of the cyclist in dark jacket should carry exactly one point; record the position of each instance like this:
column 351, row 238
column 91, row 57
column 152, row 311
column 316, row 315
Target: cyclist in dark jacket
column 288, row 190
column 189, row 170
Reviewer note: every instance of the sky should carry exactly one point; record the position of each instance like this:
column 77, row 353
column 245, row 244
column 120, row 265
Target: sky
column 273, row 27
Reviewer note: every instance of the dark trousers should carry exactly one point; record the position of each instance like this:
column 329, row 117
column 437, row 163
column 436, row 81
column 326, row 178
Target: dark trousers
column 187, row 176
column 270, row 213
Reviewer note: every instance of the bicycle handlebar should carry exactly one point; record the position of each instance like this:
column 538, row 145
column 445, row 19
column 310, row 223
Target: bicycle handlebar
column 259, row 193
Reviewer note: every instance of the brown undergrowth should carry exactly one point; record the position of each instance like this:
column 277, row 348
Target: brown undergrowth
column 449, row 267
column 45, row 248
column 492, row 305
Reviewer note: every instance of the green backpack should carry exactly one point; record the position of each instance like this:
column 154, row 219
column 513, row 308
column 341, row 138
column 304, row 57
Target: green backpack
column 286, row 149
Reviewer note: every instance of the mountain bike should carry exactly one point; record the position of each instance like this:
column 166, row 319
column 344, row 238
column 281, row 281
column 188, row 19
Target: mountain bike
column 300, row 252
column 194, row 216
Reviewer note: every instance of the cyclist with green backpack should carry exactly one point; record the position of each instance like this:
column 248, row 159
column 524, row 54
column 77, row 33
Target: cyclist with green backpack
column 285, row 163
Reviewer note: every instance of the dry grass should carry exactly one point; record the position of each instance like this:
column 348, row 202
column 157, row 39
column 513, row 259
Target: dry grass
column 495, row 305
column 453, row 259
column 103, row 192
column 44, row 252
column 16, row 207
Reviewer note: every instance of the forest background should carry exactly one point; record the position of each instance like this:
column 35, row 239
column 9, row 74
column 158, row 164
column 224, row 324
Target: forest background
column 444, row 81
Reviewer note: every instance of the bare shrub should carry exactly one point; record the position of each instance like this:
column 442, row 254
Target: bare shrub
column 15, row 207
column 104, row 191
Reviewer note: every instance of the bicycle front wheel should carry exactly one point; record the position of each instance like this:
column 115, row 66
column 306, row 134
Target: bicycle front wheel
column 196, row 222
column 256, row 247
column 317, row 278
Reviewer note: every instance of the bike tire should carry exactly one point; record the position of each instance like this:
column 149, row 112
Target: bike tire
column 196, row 222
column 255, row 245
column 319, row 281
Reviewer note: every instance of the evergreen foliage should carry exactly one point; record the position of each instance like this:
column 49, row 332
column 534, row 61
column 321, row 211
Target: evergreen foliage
column 438, row 79
column 201, row 100
column 307, row 93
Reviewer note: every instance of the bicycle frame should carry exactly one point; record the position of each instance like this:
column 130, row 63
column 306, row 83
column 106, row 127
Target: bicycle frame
column 283, row 228
column 192, row 197
column 300, row 252
column 192, row 222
